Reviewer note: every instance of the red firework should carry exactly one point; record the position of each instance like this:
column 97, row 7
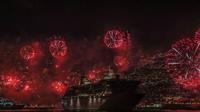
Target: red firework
column 197, row 36
column 183, row 63
column 121, row 62
column 197, row 33
column 11, row 80
column 27, row 52
column 74, row 79
column 59, row 87
column 58, row 48
column 28, row 86
column 115, row 38
column 95, row 74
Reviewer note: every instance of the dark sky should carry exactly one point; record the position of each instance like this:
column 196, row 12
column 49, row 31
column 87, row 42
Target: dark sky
column 153, row 24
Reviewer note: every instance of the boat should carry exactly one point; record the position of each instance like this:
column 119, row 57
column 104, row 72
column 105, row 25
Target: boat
column 108, row 94
column 6, row 104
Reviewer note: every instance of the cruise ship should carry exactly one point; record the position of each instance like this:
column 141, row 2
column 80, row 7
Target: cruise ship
column 110, row 94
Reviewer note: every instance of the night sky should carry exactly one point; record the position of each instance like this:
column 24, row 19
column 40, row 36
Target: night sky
column 45, row 47
column 154, row 25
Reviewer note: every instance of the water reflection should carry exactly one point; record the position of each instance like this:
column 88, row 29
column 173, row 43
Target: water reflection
column 90, row 110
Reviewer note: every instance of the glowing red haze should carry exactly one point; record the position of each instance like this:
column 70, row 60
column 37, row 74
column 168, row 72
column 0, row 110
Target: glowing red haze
column 38, row 63
column 183, row 63
column 121, row 62
column 59, row 87
column 95, row 74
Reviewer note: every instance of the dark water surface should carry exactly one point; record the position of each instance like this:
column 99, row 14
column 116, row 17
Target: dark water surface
column 61, row 110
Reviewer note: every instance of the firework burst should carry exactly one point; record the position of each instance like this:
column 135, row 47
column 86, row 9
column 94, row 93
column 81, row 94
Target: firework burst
column 115, row 38
column 121, row 62
column 27, row 52
column 183, row 63
column 58, row 48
